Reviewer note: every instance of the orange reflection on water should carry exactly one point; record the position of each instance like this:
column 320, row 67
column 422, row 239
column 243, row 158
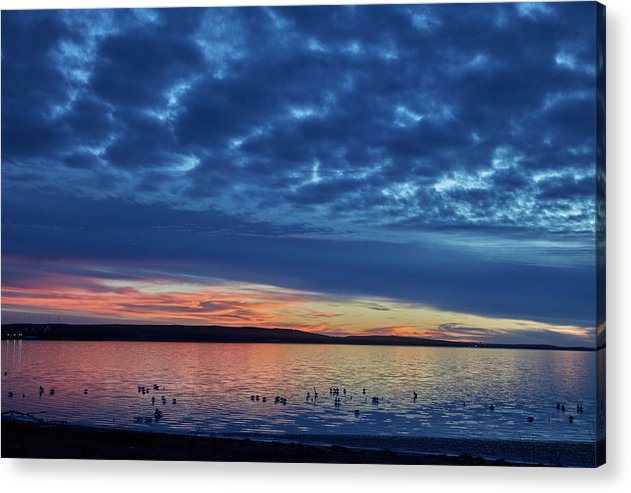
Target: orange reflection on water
column 212, row 384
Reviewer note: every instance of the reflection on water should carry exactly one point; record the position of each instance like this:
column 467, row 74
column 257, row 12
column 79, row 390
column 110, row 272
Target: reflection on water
column 213, row 384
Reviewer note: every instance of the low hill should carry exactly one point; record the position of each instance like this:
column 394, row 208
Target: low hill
column 218, row 333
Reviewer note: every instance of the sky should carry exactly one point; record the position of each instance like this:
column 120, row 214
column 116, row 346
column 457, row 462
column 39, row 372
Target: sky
column 424, row 170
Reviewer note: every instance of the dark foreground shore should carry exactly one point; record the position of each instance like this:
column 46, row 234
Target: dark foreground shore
column 61, row 441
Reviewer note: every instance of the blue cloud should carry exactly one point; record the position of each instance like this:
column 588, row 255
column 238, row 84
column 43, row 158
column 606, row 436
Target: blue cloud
column 278, row 143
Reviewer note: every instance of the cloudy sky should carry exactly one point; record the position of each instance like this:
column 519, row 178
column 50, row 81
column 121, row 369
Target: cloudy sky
column 421, row 170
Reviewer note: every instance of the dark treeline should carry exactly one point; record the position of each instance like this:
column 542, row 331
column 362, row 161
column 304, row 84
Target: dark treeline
column 217, row 333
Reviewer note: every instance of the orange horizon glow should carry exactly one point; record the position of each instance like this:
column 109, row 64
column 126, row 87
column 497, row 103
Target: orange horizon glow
column 244, row 304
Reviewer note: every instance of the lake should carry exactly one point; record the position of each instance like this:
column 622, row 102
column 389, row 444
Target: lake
column 213, row 385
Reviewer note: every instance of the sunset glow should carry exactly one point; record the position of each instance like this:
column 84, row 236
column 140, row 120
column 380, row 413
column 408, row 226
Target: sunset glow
column 270, row 168
column 76, row 298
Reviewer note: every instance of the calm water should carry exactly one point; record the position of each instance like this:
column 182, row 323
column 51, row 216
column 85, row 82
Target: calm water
column 213, row 384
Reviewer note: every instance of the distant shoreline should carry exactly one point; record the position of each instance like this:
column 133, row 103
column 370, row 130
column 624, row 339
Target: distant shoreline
column 219, row 334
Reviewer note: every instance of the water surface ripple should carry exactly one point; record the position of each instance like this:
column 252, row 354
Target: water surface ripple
column 213, row 385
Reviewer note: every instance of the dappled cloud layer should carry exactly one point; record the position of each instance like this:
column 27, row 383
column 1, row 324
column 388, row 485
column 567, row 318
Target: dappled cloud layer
column 423, row 155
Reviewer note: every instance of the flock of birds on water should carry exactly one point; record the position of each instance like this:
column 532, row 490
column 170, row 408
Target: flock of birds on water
column 375, row 400
column 311, row 397
column 157, row 414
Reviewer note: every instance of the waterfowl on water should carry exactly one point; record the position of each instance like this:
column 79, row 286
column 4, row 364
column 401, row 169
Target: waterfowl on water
column 264, row 399
column 52, row 392
column 174, row 401
column 356, row 413
column 530, row 419
column 364, row 391
column 156, row 387
column 415, row 395
column 153, row 399
column 85, row 391
column 570, row 419
column 491, row 407
column 10, row 394
column 258, row 397
column 252, row 397
column 157, row 414
column 563, row 407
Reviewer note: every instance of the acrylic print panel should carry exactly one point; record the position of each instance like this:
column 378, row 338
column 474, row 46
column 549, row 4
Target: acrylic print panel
column 348, row 234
